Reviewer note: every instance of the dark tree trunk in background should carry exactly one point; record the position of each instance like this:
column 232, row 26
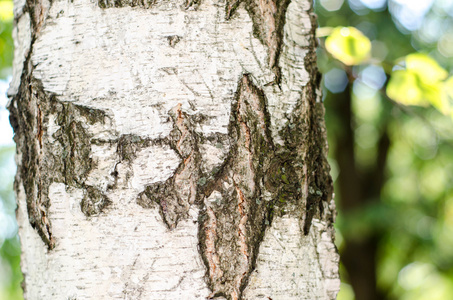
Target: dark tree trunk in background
column 357, row 190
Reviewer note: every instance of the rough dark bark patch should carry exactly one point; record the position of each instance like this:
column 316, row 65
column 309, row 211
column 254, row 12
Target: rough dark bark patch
column 232, row 227
column 261, row 180
column 319, row 182
column 71, row 159
column 66, row 160
column 94, row 201
column 41, row 162
column 305, row 138
column 26, row 119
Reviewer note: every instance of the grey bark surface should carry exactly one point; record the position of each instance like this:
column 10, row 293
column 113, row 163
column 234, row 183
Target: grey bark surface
column 171, row 150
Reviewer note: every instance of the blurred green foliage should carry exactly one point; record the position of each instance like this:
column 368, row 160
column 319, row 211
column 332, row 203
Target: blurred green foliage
column 10, row 274
column 417, row 80
column 6, row 41
column 421, row 82
column 409, row 220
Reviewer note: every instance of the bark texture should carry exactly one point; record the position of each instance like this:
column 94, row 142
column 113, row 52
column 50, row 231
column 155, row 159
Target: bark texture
column 171, row 150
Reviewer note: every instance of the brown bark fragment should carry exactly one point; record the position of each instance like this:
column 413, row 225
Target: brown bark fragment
column 178, row 193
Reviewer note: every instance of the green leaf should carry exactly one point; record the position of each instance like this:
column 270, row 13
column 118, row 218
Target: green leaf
column 348, row 45
column 403, row 87
column 425, row 67
column 421, row 84
column 433, row 93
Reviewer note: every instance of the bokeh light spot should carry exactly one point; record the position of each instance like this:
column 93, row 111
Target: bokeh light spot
column 336, row 80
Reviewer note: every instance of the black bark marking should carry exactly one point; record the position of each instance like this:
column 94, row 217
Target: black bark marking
column 125, row 3
column 173, row 40
column 94, row 201
column 191, row 4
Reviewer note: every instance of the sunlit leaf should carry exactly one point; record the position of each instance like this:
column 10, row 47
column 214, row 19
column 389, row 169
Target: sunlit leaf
column 348, row 45
column 6, row 11
column 421, row 84
column 433, row 93
column 404, row 87
column 425, row 67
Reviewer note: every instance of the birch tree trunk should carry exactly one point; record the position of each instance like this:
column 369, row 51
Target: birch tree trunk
column 171, row 150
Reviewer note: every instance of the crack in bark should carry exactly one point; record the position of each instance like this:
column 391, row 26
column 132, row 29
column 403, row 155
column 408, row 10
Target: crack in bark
column 38, row 14
column 269, row 17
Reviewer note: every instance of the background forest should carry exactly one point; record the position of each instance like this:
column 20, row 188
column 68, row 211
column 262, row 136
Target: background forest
column 388, row 96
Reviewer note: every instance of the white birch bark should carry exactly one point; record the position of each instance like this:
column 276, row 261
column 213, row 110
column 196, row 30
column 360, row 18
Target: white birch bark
column 171, row 150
